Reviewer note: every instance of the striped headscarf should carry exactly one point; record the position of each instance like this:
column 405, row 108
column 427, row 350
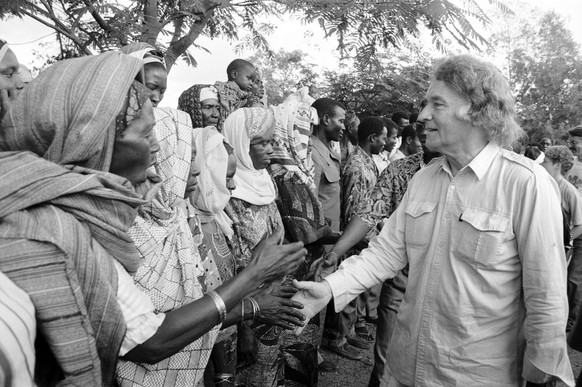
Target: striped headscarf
column 64, row 217
column 291, row 137
column 171, row 273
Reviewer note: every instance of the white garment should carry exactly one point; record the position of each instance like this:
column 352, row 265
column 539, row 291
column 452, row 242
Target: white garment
column 240, row 127
column 17, row 335
column 486, row 297
column 138, row 311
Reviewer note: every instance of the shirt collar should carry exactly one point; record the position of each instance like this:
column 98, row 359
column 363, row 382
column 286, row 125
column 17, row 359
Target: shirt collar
column 322, row 149
column 479, row 165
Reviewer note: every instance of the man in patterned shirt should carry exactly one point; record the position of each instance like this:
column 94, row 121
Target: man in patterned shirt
column 359, row 176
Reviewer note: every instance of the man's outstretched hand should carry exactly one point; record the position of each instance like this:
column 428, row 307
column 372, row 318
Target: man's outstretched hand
column 314, row 296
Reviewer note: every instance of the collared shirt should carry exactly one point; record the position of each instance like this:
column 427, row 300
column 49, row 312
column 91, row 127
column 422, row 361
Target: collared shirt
column 359, row 176
column 397, row 155
column 382, row 160
column 327, row 180
column 486, row 297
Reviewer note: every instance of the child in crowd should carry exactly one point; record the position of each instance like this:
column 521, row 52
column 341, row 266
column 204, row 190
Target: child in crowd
column 235, row 93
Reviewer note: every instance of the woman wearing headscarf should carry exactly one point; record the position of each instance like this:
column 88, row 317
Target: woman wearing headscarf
column 254, row 214
column 71, row 156
column 202, row 104
column 154, row 74
column 217, row 165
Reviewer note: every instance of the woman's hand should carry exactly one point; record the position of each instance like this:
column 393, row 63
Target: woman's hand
column 276, row 308
column 273, row 261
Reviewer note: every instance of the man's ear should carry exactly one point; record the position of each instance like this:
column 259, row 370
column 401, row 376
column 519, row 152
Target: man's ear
column 324, row 119
column 372, row 138
column 409, row 140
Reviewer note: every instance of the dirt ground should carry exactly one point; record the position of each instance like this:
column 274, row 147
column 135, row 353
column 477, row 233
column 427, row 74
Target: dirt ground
column 352, row 373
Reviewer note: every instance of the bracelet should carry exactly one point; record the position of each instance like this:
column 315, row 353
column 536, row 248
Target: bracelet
column 220, row 306
column 223, row 378
column 242, row 305
column 255, row 304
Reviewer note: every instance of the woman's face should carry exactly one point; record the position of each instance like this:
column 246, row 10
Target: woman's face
column 230, row 172
column 192, row 182
column 260, row 151
column 210, row 109
column 155, row 79
column 135, row 149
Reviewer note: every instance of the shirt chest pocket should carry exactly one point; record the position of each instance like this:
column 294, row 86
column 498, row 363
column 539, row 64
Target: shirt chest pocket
column 478, row 237
column 420, row 224
column 331, row 173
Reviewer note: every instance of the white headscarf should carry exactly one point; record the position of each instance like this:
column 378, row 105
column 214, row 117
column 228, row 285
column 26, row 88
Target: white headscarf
column 212, row 161
column 243, row 125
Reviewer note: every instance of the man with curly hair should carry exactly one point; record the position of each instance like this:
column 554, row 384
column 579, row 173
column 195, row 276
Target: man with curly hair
column 481, row 230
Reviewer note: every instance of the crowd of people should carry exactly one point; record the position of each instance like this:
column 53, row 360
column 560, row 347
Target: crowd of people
column 229, row 242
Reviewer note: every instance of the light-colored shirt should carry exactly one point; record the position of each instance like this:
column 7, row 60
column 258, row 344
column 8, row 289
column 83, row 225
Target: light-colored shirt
column 571, row 202
column 381, row 160
column 138, row 312
column 327, row 180
column 486, row 297
column 397, row 155
column 17, row 335
column 575, row 175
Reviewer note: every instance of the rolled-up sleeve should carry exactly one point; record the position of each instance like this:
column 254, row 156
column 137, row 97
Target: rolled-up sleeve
column 539, row 238
column 384, row 257
column 138, row 312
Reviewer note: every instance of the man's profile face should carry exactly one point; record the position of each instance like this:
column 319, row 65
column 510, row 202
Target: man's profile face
column 379, row 142
column 575, row 145
column 413, row 145
column 391, row 140
column 335, row 124
column 445, row 118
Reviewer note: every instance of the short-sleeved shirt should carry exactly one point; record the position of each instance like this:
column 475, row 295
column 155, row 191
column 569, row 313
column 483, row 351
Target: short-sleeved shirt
column 359, row 176
column 571, row 203
column 575, row 175
column 327, row 180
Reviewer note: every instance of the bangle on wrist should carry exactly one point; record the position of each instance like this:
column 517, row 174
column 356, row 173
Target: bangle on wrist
column 242, row 314
column 220, row 306
column 256, row 308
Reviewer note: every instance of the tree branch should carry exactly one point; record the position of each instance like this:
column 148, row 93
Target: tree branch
column 179, row 46
column 102, row 23
column 65, row 32
column 152, row 24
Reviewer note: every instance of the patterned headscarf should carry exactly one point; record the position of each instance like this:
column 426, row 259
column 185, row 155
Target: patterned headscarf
column 243, row 125
column 171, row 273
column 212, row 161
column 67, row 117
column 189, row 102
column 291, row 138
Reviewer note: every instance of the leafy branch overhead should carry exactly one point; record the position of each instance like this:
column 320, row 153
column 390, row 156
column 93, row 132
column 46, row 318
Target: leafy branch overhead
column 361, row 27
